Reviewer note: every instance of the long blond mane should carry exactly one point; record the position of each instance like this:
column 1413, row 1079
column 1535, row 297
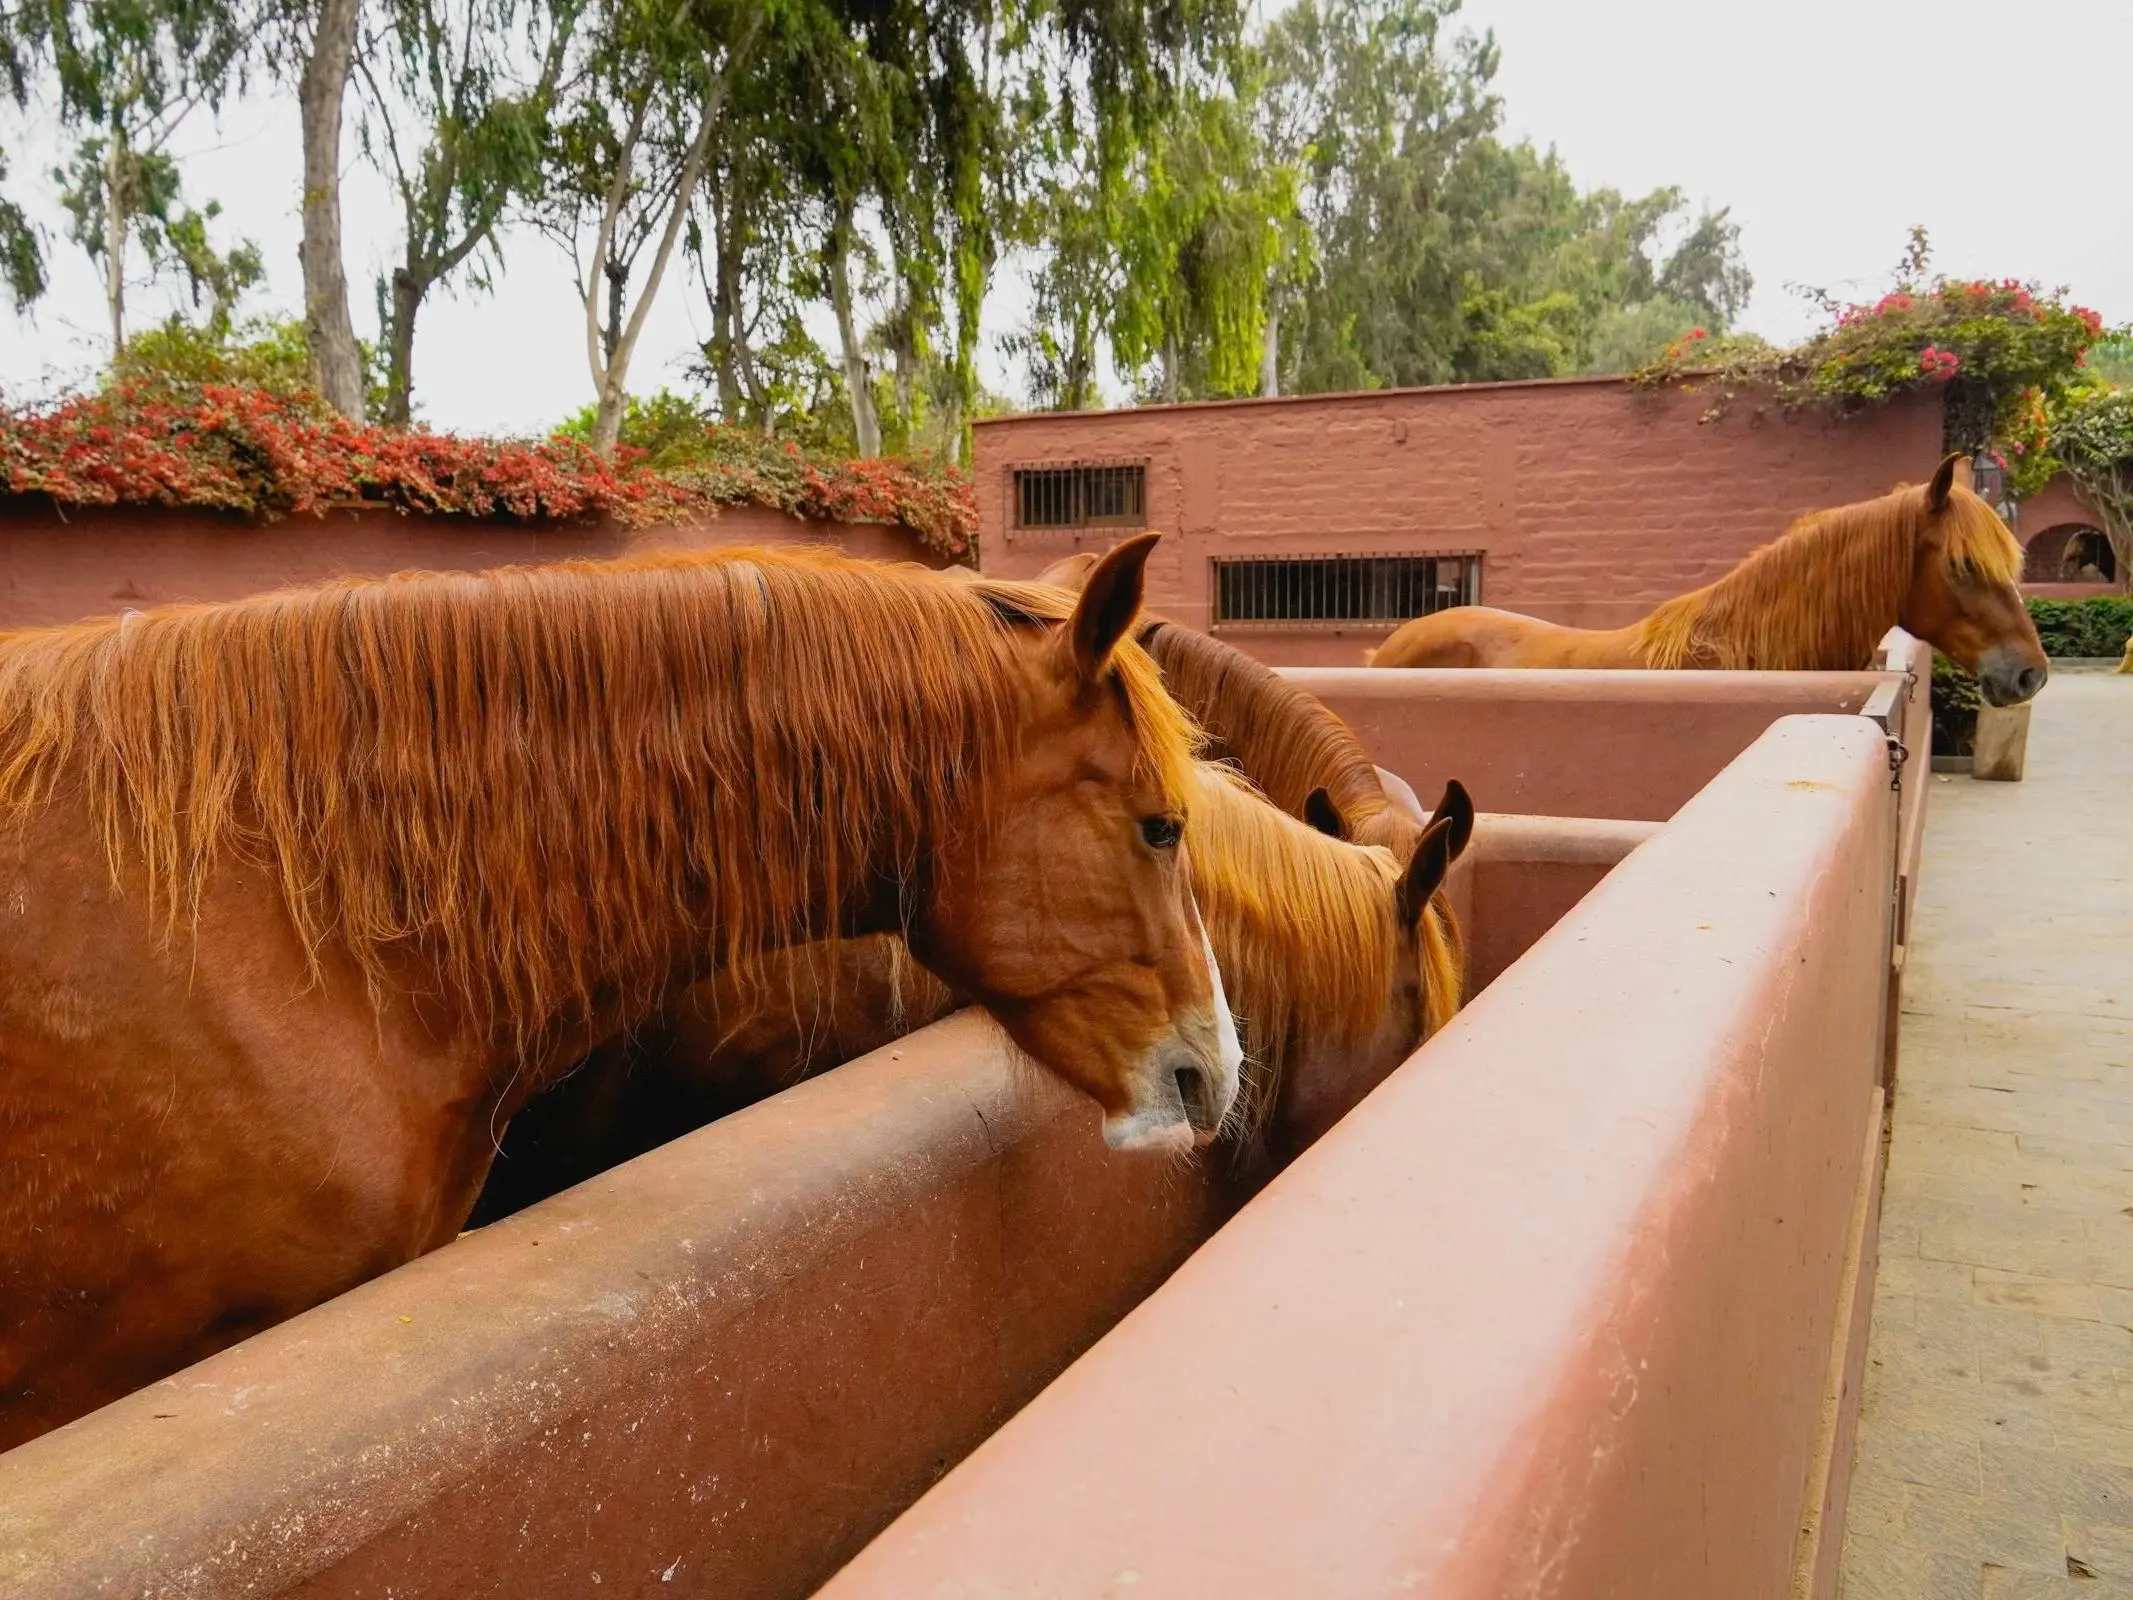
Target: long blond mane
column 1306, row 928
column 1821, row 596
column 522, row 790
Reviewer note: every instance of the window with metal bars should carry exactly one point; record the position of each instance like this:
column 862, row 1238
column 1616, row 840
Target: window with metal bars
column 1081, row 497
column 1327, row 591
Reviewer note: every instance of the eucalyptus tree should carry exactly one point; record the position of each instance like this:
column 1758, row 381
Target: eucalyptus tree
column 314, row 41
column 627, row 152
column 127, row 75
column 460, row 137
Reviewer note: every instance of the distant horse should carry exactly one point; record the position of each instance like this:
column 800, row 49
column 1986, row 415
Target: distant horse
column 305, row 895
column 1325, row 948
column 1937, row 561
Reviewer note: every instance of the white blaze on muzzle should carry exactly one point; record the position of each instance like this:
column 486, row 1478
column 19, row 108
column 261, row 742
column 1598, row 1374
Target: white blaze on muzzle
column 1158, row 1120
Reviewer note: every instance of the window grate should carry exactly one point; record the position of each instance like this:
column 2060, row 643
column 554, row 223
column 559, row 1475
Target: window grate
column 1330, row 591
column 1082, row 497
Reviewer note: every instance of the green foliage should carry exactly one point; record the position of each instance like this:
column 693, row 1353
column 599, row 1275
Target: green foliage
column 1624, row 338
column 264, row 353
column 2097, row 626
column 2092, row 437
column 1955, row 707
column 2111, row 359
column 1442, row 253
column 460, row 140
column 21, row 251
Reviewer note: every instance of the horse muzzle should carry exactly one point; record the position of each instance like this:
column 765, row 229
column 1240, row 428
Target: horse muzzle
column 2005, row 679
column 1182, row 1094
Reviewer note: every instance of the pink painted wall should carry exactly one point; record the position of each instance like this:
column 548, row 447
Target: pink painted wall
column 1591, row 501
column 59, row 565
column 1568, row 1309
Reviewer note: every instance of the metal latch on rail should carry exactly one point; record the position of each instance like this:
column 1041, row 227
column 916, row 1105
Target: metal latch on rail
column 1898, row 755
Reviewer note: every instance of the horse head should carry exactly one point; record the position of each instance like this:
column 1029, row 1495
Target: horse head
column 1067, row 912
column 1964, row 598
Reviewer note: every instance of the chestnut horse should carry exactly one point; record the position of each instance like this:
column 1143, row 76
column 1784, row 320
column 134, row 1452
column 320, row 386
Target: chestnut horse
column 1331, row 960
column 306, row 894
column 1937, row 561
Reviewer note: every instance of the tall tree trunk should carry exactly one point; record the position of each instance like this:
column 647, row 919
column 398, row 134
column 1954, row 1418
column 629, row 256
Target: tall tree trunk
column 334, row 351
column 1170, row 369
column 1270, row 351
column 400, row 379
column 118, row 210
column 726, row 314
column 611, row 367
column 858, row 387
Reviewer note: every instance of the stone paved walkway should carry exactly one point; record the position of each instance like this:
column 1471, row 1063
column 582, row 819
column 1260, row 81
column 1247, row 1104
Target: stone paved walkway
column 1996, row 1434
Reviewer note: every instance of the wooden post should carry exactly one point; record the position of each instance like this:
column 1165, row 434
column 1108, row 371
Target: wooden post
column 2002, row 743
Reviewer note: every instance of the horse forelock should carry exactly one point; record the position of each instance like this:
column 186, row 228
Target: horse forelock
column 1306, row 927
column 530, row 780
column 1821, row 596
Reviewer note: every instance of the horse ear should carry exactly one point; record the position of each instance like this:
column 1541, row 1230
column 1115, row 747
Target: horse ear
column 1457, row 807
column 1944, row 480
column 1109, row 603
column 1425, row 871
column 1324, row 815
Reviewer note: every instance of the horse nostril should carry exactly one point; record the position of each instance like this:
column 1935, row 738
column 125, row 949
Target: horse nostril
column 1196, row 1096
column 2029, row 681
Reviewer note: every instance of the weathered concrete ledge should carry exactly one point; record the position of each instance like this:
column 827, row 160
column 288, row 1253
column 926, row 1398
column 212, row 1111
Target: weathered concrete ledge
column 1555, row 1311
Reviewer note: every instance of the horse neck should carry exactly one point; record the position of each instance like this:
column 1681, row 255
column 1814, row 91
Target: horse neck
column 1287, row 743
column 1818, row 599
column 557, row 793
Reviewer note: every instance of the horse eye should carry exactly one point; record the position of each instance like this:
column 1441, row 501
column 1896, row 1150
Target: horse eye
column 1162, row 833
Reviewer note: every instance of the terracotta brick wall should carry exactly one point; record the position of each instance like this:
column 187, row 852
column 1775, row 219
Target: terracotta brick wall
column 1590, row 501
column 57, row 567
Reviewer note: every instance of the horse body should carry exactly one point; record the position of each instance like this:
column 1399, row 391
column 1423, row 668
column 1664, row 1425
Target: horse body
column 1936, row 561
column 1482, row 636
column 306, row 895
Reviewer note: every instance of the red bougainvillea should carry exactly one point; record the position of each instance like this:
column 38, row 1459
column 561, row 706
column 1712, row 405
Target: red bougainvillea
column 267, row 454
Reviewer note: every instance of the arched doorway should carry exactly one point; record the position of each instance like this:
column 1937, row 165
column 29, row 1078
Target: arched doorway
column 2071, row 552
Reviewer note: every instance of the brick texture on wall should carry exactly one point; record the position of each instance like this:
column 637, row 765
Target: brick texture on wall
column 1591, row 501
column 60, row 565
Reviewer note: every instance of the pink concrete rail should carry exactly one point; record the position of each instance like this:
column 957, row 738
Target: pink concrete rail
column 727, row 1364
column 1570, row 1306
column 1575, row 744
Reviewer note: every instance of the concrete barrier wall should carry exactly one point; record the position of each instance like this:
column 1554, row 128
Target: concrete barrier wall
column 61, row 565
column 1567, row 1307
column 723, row 1367
column 1631, row 745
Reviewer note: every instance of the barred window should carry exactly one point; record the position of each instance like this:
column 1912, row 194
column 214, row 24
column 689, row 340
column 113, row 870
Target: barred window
column 1329, row 590
column 1081, row 497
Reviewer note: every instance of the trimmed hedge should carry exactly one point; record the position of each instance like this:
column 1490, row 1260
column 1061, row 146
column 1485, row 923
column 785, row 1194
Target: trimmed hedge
column 2098, row 626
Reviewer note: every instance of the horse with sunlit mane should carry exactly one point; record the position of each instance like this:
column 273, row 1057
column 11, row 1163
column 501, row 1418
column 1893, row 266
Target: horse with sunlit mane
column 1936, row 561
column 307, row 894
column 1333, row 956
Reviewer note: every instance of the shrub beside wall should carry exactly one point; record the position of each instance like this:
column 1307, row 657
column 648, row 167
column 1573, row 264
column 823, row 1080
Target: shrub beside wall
column 2098, row 626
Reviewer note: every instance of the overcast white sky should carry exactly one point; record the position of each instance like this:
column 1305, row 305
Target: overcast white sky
column 1829, row 126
